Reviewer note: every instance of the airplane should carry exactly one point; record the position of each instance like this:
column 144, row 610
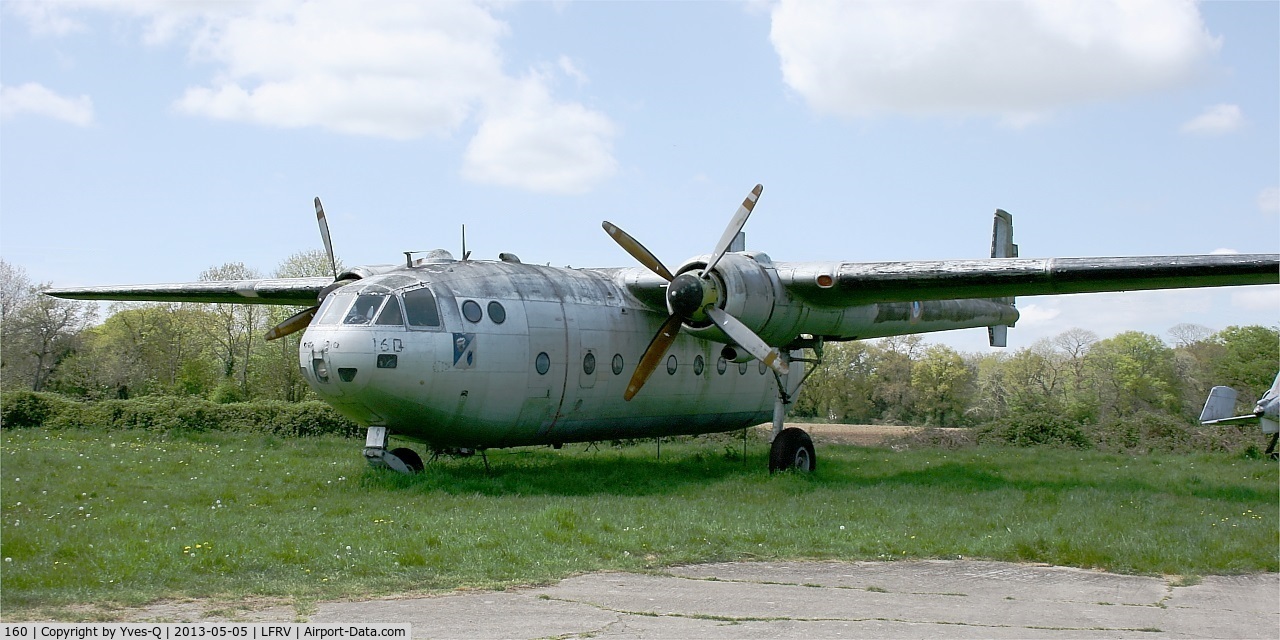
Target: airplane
column 467, row 355
column 1221, row 403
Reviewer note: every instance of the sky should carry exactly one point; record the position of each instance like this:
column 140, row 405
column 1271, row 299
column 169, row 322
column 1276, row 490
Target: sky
column 145, row 141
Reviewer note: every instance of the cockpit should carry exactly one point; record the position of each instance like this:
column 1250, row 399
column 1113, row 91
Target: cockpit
column 382, row 301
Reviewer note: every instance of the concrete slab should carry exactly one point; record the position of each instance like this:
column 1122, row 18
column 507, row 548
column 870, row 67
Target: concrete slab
column 917, row 599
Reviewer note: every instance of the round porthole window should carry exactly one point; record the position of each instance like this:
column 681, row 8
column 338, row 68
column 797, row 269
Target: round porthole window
column 617, row 364
column 697, row 365
column 542, row 363
column 496, row 313
column 762, row 367
column 589, row 363
column 742, row 368
column 722, row 365
column 471, row 311
column 671, row 365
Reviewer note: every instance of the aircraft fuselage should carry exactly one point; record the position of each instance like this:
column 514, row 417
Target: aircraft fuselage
column 479, row 354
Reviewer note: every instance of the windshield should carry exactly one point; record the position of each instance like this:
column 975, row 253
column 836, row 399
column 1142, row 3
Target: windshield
column 333, row 308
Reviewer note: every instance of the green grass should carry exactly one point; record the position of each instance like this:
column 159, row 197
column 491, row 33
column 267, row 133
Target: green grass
column 129, row 517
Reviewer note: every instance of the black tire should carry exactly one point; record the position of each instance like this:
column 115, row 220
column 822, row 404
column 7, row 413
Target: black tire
column 792, row 449
column 410, row 458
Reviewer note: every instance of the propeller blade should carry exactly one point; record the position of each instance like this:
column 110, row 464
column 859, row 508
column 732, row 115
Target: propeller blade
column 747, row 339
column 324, row 235
column 653, row 355
column 637, row 251
column 738, row 221
column 296, row 322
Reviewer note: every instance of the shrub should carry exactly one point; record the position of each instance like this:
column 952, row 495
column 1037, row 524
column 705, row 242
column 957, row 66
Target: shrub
column 26, row 409
column 1029, row 428
column 175, row 413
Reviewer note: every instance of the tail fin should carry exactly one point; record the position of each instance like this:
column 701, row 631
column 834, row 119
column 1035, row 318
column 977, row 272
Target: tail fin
column 1220, row 404
column 1002, row 246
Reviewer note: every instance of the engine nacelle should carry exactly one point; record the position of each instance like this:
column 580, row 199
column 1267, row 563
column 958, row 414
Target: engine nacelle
column 748, row 289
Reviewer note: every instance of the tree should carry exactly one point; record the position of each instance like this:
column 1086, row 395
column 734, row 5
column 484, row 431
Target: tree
column 144, row 349
column 1134, row 371
column 276, row 364
column 236, row 326
column 840, row 389
column 942, row 386
column 48, row 331
column 15, row 294
column 1250, row 358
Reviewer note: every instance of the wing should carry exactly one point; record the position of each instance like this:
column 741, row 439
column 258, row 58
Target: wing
column 852, row 283
column 279, row 291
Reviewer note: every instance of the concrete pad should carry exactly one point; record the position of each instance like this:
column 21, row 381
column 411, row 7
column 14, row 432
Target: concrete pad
column 916, row 599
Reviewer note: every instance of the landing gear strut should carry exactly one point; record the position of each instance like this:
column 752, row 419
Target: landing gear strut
column 401, row 459
column 792, row 448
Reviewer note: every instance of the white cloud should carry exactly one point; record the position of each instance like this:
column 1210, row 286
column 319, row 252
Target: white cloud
column 43, row 18
column 35, row 99
column 1223, row 252
column 1257, row 299
column 1011, row 60
column 1269, row 200
column 1220, row 118
column 393, row 69
column 532, row 142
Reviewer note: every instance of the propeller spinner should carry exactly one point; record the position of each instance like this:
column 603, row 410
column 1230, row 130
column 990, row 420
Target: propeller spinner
column 300, row 320
column 694, row 298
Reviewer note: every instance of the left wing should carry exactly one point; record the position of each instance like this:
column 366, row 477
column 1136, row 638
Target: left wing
column 279, row 291
column 852, row 283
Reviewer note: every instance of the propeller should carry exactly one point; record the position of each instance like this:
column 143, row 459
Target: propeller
column 693, row 297
column 300, row 320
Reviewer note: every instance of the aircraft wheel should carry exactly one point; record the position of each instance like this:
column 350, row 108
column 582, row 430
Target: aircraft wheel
column 792, row 449
column 410, row 458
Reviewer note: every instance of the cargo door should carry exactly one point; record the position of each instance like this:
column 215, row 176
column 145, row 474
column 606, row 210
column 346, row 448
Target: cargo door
column 548, row 366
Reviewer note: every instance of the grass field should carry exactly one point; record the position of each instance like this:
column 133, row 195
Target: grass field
column 130, row 517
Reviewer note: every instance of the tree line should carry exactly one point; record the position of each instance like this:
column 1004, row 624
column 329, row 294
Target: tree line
column 1059, row 385
column 213, row 351
column 217, row 352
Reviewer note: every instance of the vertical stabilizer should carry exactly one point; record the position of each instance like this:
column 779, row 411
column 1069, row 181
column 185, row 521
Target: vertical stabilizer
column 1002, row 246
column 1221, row 404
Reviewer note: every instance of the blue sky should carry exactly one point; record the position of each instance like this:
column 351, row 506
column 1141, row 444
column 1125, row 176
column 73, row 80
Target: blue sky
column 145, row 141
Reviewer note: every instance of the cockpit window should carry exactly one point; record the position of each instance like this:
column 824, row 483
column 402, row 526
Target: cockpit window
column 391, row 313
column 420, row 308
column 363, row 310
column 333, row 308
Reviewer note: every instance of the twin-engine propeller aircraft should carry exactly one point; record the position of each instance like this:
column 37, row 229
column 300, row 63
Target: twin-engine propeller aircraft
column 476, row 354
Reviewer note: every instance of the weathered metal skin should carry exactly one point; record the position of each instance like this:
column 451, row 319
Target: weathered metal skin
column 862, row 283
column 509, row 354
column 500, row 399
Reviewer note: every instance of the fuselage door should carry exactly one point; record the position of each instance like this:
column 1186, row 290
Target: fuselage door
column 548, row 368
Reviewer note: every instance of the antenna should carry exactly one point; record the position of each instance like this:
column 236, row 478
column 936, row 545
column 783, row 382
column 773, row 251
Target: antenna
column 465, row 254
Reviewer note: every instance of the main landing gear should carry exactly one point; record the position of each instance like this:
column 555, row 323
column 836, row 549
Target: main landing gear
column 792, row 448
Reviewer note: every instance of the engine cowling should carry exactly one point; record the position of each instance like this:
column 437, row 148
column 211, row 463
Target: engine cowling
column 745, row 287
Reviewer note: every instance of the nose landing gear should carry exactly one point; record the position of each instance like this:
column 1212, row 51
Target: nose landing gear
column 401, row 459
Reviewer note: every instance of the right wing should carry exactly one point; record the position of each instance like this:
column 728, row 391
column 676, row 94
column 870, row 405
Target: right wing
column 854, row 283
column 278, row 291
